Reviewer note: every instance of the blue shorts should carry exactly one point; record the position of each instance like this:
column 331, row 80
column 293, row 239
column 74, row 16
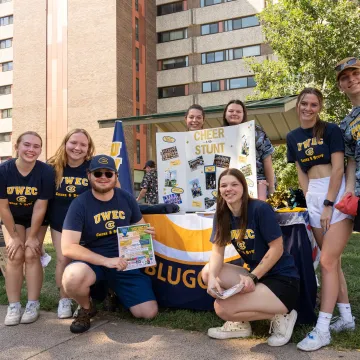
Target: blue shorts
column 131, row 287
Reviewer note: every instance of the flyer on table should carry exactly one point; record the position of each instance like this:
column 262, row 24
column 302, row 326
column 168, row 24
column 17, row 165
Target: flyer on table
column 136, row 246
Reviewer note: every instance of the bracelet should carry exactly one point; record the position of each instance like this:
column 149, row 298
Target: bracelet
column 254, row 278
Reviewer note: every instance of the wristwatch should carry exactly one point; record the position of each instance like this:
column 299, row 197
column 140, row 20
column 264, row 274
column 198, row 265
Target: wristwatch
column 254, row 278
column 328, row 203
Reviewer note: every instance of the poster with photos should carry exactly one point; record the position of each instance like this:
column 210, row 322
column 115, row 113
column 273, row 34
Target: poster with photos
column 189, row 163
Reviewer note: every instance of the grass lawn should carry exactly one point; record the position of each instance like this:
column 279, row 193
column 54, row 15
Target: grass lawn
column 201, row 321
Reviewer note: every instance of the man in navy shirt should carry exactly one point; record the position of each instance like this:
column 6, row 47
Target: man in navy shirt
column 89, row 236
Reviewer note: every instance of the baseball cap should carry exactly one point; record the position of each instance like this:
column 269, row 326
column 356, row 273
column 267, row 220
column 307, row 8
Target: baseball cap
column 102, row 162
column 347, row 63
column 149, row 163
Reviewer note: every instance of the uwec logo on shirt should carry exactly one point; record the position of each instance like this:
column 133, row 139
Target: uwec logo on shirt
column 71, row 188
column 108, row 218
column 309, row 151
column 71, row 180
column 21, row 199
column 241, row 245
column 22, row 190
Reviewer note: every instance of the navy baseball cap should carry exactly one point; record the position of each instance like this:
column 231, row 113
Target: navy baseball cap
column 149, row 163
column 102, row 162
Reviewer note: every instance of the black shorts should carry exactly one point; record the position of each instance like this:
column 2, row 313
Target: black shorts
column 357, row 219
column 26, row 222
column 285, row 288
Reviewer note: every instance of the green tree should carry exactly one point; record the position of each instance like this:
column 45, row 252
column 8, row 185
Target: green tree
column 308, row 38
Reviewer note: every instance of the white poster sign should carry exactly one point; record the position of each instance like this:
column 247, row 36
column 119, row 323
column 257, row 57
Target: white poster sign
column 189, row 164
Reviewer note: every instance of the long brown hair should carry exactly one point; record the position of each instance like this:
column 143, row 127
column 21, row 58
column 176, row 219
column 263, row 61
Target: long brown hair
column 223, row 213
column 18, row 140
column 238, row 102
column 60, row 159
column 319, row 127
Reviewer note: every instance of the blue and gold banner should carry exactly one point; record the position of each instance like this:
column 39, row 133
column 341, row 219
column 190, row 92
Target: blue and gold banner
column 120, row 155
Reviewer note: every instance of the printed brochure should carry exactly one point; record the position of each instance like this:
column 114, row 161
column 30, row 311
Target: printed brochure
column 136, row 246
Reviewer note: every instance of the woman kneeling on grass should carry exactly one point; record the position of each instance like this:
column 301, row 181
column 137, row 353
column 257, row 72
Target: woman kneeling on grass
column 271, row 287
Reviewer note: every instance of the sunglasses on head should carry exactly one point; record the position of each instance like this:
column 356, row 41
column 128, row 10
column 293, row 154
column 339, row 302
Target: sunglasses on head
column 351, row 61
column 99, row 174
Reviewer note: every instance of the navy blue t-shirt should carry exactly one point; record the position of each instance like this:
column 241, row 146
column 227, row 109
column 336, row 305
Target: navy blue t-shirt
column 22, row 191
column 97, row 220
column 262, row 228
column 74, row 183
column 304, row 148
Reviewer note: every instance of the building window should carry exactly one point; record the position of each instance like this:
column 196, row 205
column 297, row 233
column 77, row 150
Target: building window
column 212, row 57
column 230, row 54
column 240, row 83
column 6, row 20
column 5, row 137
column 138, row 151
column 137, row 89
column 209, row 29
column 6, row 113
column 7, row 66
column 172, row 91
column 241, row 23
column 211, row 86
column 7, row 43
column 174, row 63
column 137, row 29
column 137, row 58
column 172, row 35
column 5, row 90
column 137, row 112
column 137, row 5
column 212, row 2
column 137, row 128
column 170, row 8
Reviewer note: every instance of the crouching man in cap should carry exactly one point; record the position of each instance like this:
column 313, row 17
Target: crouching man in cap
column 89, row 237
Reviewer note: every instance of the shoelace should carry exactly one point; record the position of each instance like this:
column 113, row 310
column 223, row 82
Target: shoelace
column 30, row 308
column 82, row 317
column 230, row 326
column 275, row 326
column 66, row 303
column 12, row 310
column 334, row 319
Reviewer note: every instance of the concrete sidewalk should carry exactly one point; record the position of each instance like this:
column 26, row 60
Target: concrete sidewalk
column 111, row 338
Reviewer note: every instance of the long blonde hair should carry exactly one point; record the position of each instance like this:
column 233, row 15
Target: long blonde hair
column 60, row 159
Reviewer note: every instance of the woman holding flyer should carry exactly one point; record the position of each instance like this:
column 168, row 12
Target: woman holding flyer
column 234, row 114
column 269, row 290
column 195, row 117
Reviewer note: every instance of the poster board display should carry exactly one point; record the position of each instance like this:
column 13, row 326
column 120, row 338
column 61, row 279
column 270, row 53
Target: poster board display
column 189, row 163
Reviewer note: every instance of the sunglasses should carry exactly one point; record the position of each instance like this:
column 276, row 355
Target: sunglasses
column 351, row 61
column 99, row 174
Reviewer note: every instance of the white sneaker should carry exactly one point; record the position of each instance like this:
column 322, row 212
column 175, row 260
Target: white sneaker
column 314, row 340
column 281, row 328
column 31, row 313
column 45, row 259
column 13, row 315
column 64, row 309
column 231, row 330
column 340, row 324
